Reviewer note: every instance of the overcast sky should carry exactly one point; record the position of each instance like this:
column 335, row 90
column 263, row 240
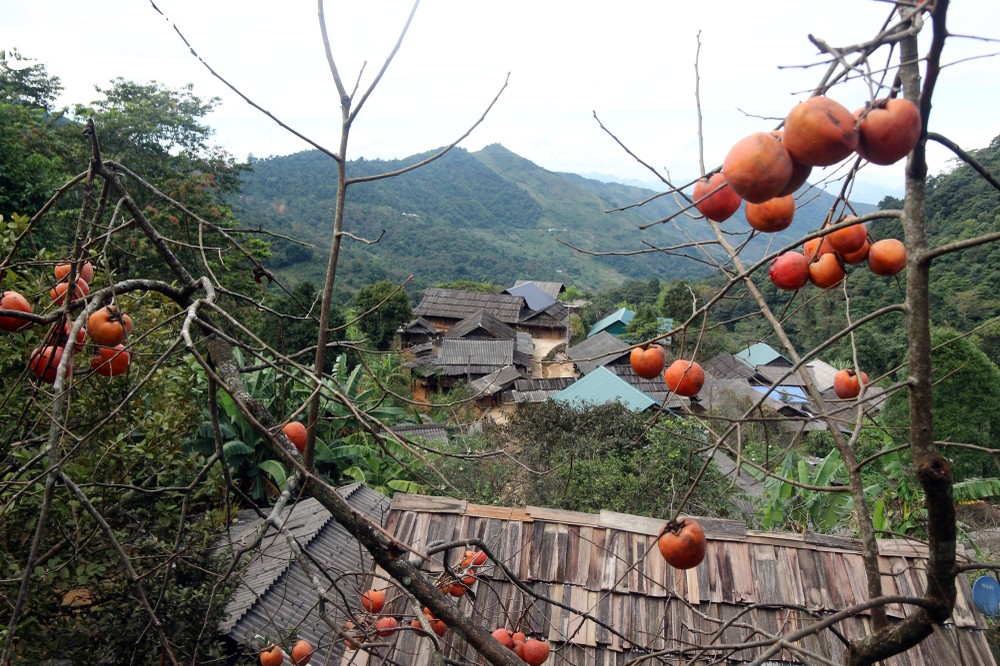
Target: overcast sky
column 631, row 62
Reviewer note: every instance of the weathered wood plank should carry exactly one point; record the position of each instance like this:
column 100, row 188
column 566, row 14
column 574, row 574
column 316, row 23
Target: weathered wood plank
column 409, row 502
column 561, row 516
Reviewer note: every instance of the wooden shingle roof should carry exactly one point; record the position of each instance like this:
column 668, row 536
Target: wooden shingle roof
column 596, row 351
column 457, row 304
column 607, row 564
column 274, row 593
column 481, row 324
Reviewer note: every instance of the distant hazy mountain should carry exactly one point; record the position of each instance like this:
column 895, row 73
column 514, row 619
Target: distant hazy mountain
column 490, row 215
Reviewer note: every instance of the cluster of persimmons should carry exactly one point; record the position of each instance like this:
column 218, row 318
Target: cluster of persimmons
column 458, row 582
column 764, row 170
column 108, row 328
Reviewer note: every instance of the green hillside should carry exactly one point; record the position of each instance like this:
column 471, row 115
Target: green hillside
column 490, row 216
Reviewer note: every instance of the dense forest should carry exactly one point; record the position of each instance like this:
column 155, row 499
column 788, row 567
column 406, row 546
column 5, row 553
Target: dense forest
column 488, row 215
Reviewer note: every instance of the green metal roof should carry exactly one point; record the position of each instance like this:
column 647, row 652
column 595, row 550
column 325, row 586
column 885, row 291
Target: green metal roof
column 603, row 386
column 623, row 315
column 760, row 354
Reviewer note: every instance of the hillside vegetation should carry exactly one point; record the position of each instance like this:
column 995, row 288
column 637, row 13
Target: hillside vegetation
column 489, row 215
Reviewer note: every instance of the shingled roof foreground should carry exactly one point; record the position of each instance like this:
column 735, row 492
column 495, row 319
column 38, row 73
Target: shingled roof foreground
column 608, row 564
column 274, row 594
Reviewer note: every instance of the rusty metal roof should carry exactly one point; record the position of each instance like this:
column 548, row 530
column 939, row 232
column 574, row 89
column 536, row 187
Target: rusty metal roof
column 607, row 564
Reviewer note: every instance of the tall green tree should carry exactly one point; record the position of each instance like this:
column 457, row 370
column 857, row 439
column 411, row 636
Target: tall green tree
column 380, row 325
column 966, row 395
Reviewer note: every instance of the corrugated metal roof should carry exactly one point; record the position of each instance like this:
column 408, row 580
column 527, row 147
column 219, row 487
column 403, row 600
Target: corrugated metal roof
column 534, row 298
column 456, row 304
column 465, row 352
column 274, row 595
column 603, row 386
column 608, row 565
column 596, row 351
column 553, row 289
column 762, row 353
column 623, row 315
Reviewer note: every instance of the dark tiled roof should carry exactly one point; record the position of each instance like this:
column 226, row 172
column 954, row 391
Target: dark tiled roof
column 608, row 565
column 553, row 316
column 419, row 325
column 479, row 325
column 456, row 304
column 538, row 390
column 727, row 366
column 597, row 350
column 274, row 593
column 495, row 382
column 776, row 374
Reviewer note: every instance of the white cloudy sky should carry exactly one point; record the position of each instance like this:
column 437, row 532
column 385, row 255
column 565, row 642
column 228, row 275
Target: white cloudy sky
column 631, row 62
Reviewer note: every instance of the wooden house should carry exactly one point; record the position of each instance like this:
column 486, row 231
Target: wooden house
column 446, row 307
column 621, row 603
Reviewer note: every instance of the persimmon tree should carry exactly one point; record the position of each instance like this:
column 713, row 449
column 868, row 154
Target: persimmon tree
column 195, row 324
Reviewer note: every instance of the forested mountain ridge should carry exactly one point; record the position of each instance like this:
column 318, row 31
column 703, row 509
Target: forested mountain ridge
column 489, row 215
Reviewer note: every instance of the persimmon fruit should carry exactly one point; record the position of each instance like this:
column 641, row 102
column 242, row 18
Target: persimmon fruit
column 86, row 272
column 272, row 656
column 772, row 215
column 647, row 362
column 535, row 652
column 887, row 257
column 847, row 385
column 503, row 636
column 789, row 271
column 826, row 271
column 110, row 361
column 888, row 131
column 386, row 625
column 817, row 247
column 44, row 363
column 684, row 377
column 848, row 239
column 11, row 300
column 373, row 601
column 58, row 292
column 715, row 199
column 757, row 167
column 107, row 326
column 682, row 543
column 302, row 652
column 859, row 257
column 819, row 132
column 297, row 434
